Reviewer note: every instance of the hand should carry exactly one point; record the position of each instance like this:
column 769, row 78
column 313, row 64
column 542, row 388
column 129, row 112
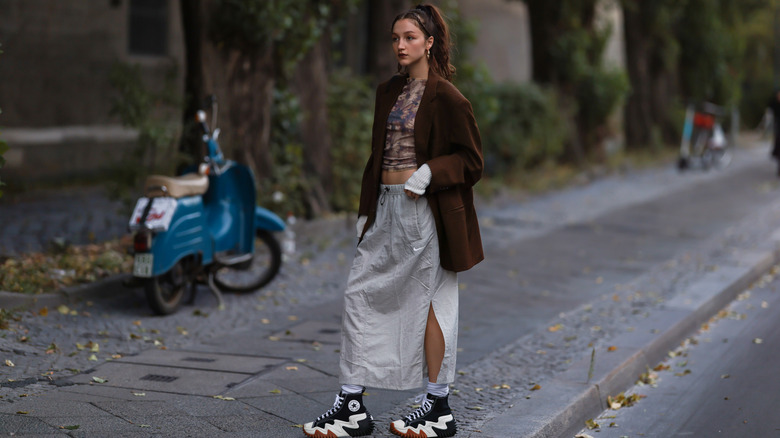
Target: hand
column 411, row 194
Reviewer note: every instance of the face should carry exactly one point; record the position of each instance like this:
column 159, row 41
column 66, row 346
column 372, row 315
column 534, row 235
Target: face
column 410, row 44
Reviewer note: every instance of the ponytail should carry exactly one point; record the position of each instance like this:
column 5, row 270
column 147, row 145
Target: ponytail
column 431, row 21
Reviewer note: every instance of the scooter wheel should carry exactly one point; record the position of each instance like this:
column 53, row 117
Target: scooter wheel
column 165, row 292
column 265, row 264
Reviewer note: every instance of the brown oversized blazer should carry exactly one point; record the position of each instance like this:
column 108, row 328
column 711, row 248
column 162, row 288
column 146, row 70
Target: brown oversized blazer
column 446, row 137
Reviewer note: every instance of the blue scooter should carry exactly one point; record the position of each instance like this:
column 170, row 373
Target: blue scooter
column 203, row 227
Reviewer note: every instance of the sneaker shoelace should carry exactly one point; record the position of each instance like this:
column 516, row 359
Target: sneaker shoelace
column 425, row 405
column 336, row 406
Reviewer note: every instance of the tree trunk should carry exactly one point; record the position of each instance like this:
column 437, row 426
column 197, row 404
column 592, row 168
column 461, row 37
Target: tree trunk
column 249, row 97
column 653, row 83
column 311, row 86
column 192, row 25
column 242, row 83
column 542, row 18
column 381, row 61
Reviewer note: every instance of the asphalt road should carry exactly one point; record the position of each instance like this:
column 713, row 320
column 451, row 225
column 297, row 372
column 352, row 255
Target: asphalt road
column 722, row 382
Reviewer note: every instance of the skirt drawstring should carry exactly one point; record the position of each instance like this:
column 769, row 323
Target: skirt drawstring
column 382, row 197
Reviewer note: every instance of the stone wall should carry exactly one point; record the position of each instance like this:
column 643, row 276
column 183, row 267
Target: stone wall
column 54, row 79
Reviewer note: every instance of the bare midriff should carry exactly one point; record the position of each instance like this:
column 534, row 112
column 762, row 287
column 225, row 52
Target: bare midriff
column 396, row 177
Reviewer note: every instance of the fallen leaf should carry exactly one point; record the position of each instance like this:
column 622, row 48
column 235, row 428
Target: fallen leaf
column 555, row 328
column 583, row 435
column 590, row 424
column 139, row 394
column 63, row 309
column 475, row 408
column 273, row 338
column 265, row 321
column 22, row 412
column 621, row 400
column 275, row 391
column 8, row 363
column 137, row 323
column 292, row 368
column 292, row 318
column 44, row 311
column 612, row 348
column 219, row 397
column 758, row 341
column 93, row 358
column 536, row 387
column 69, row 427
column 99, row 380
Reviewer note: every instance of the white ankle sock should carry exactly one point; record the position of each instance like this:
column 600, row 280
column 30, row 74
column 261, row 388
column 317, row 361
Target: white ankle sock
column 351, row 389
column 438, row 389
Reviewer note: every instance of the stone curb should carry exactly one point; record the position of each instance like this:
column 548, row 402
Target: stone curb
column 68, row 295
column 569, row 399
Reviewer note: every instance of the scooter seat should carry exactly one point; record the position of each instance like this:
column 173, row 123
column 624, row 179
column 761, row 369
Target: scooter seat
column 190, row 184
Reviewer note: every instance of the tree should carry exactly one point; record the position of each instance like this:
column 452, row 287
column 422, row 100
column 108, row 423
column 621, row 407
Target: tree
column 567, row 46
column 651, row 60
column 245, row 52
column 3, row 149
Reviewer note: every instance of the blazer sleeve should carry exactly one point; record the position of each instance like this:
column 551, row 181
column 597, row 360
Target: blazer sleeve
column 463, row 165
column 365, row 207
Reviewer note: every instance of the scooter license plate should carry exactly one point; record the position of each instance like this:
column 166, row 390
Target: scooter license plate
column 142, row 267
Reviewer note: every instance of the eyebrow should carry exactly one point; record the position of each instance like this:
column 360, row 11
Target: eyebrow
column 408, row 32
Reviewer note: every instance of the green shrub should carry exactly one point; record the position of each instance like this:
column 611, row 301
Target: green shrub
column 284, row 190
column 350, row 112
column 525, row 130
column 153, row 113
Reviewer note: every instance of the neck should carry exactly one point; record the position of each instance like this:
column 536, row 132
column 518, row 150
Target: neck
column 419, row 71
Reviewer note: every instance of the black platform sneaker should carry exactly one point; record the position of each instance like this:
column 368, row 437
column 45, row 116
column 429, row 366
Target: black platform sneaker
column 348, row 417
column 432, row 419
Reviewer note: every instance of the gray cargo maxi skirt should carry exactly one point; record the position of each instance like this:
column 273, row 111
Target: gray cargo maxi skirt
column 395, row 277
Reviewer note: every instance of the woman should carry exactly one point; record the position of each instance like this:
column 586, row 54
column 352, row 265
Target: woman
column 417, row 228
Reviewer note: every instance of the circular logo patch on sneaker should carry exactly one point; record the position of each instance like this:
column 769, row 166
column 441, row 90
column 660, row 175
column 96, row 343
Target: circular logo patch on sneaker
column 354, row 406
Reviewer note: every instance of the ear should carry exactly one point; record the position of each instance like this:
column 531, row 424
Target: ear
column 429, row 43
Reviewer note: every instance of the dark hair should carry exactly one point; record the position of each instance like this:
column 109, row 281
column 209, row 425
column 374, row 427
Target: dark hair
column 431, row 21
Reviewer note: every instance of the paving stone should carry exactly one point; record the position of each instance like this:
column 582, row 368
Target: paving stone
column 44, row 407
column 203, row 361
column 93, row 425
column 22, row 425
column 165, row 379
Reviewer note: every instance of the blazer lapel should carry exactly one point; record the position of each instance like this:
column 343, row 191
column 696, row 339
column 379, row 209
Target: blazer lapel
column 424, row 119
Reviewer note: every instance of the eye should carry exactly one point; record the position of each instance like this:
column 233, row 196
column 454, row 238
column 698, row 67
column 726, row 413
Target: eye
column 394, row 39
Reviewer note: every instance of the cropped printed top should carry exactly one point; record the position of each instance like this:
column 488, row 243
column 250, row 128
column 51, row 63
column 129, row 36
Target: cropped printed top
column 399, row 141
